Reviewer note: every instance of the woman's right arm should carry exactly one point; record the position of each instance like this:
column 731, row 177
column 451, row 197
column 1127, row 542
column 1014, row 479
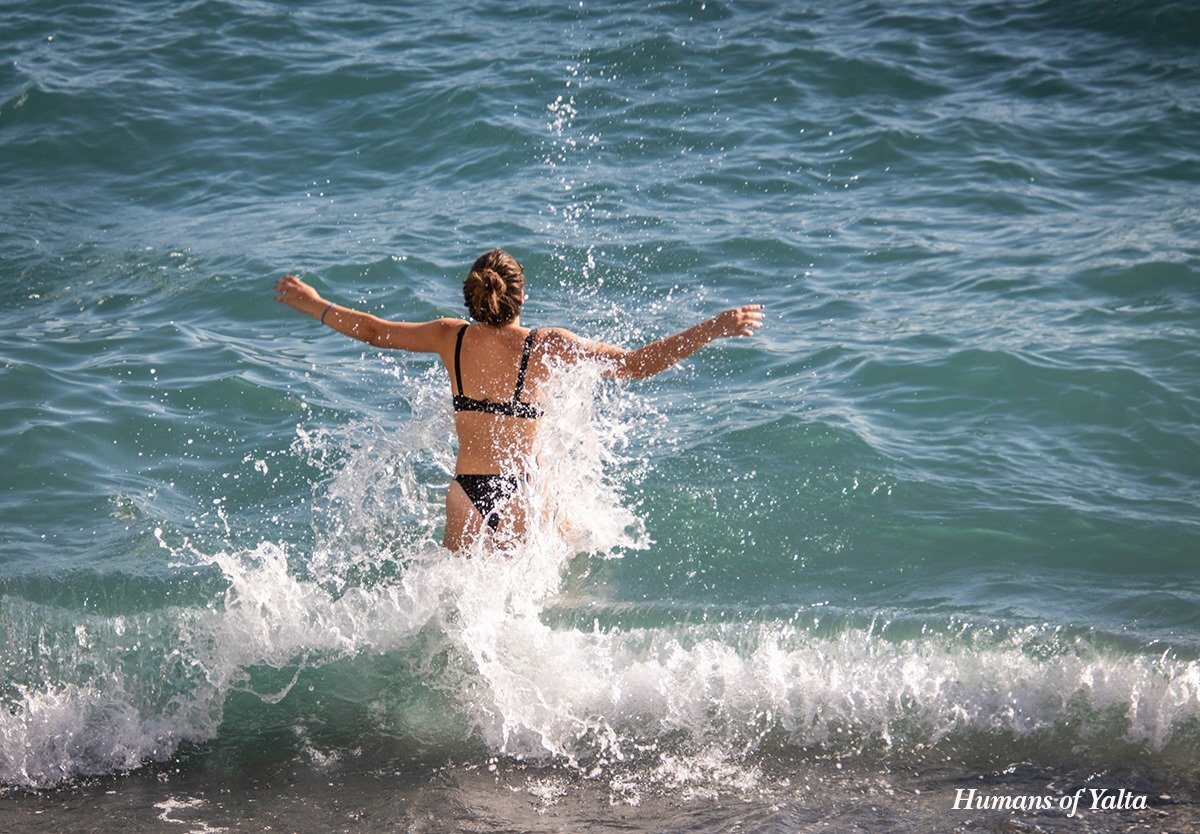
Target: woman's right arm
column 661, row 354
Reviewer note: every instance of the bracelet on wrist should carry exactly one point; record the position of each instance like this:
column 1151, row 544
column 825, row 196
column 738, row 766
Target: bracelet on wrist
column 326, row 310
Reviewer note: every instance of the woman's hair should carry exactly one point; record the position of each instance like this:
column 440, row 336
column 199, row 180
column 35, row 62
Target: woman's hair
column 495, row 288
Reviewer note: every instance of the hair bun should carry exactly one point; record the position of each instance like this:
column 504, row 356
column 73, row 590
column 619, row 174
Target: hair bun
column 493, row 282
column 495, row 288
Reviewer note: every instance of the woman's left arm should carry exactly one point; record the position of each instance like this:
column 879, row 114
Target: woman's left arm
column 423, row 337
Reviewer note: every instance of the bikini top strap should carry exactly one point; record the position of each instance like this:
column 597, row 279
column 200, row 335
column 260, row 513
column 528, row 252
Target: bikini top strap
column 457, row 362
column 524, row 364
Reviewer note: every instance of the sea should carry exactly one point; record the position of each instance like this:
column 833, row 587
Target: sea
column 921, row 555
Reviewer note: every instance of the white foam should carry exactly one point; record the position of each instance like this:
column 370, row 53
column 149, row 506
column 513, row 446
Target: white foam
column 589, row 698
column 193, row 805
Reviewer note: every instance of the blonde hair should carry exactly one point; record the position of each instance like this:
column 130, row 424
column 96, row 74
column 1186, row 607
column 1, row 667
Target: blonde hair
column 495, row 288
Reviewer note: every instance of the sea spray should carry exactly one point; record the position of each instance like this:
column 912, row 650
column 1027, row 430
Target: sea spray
column 99, row 694
column 127, row 689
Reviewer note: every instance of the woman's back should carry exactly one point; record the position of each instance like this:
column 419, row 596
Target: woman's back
column 495, row 375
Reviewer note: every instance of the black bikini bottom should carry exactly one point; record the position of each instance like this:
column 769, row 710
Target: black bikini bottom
column 487, row 492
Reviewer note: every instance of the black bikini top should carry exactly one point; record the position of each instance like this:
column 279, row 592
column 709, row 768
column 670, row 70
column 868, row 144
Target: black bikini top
column 511, row 408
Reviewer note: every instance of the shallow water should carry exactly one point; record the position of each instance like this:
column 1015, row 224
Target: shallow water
column 936, row 523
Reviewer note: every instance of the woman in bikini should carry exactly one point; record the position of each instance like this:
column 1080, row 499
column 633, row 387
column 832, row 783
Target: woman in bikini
column 496, row 367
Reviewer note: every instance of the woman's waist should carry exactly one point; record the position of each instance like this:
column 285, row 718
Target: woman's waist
column 491, row 465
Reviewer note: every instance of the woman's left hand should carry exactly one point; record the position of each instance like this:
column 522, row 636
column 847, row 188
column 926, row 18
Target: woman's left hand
column 296, row 294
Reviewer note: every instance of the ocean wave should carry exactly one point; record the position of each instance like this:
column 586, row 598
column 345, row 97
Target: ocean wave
column 91, row 693
column 586, row 698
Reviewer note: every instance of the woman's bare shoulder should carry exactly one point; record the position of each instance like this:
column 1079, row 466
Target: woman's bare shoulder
column 563, row 344
column 559, row 341
column 553, row 336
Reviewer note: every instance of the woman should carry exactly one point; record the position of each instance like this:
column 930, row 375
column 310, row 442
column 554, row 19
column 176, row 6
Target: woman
column 496, row 369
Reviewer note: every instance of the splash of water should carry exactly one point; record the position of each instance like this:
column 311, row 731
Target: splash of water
column 92, row 694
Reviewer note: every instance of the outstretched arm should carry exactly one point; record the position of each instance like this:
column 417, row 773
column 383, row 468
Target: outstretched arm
column 424, row 337
column 659, row 355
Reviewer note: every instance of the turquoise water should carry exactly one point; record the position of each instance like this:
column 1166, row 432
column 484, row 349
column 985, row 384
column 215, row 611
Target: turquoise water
column 940, row 516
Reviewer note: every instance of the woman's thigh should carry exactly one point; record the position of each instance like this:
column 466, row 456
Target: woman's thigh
column 463, row 521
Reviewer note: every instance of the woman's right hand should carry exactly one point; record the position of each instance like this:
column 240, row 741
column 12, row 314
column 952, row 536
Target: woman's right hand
column 737, row 321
